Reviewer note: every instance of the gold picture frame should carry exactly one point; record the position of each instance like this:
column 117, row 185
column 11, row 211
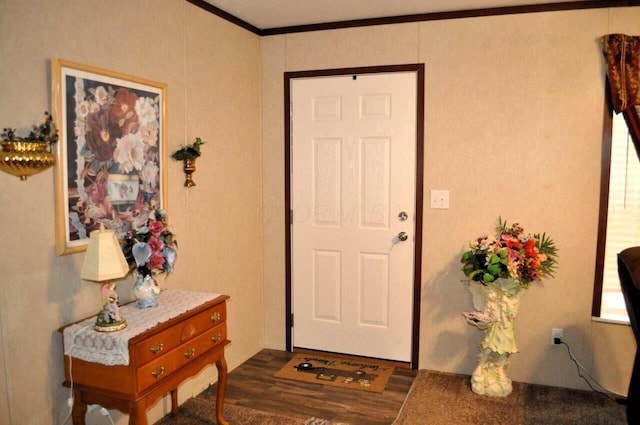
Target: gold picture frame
column 111, row 152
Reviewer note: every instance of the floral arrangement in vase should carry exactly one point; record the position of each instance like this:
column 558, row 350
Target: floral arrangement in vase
column 150, row 249
column 499, row 269
column 511, row 254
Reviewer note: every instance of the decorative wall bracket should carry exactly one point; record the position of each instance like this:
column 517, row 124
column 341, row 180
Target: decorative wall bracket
column 188, row 155
column 24, row 159
column 189, row 168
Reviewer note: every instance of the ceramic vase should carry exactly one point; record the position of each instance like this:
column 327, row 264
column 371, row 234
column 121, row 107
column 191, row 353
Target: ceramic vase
column 146, row 291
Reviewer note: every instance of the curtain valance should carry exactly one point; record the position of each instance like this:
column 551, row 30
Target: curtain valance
column 622, row 54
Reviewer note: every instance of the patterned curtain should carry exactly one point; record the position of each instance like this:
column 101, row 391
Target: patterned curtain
column 622, row 54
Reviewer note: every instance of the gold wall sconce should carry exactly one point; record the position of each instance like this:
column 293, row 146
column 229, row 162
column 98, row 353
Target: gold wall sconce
column 26, row 156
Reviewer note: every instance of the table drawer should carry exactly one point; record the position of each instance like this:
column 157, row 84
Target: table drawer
column 169, row 362
column 165, row 341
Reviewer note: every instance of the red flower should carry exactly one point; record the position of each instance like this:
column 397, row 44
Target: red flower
column 530, row 249
column 102, row 132
column 123, row 110
column 511, row 242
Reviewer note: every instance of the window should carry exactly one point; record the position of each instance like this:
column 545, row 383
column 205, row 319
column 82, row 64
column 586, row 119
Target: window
column 619, row 226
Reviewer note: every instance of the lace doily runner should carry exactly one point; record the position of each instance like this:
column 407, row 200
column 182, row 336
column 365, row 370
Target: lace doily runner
column 112, row 348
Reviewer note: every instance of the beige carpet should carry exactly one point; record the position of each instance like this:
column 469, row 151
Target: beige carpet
column 438, row 398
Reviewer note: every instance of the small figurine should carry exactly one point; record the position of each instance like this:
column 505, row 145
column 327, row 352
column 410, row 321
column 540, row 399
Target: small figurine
column 109, row 319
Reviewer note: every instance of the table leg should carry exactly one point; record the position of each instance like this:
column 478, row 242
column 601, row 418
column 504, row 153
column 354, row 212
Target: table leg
column 174, row 402
column 221, row 365
column 138, row 414
column 79, row 409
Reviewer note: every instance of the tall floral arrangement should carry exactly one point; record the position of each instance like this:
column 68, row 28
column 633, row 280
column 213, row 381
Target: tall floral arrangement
column 151, row 248
column 511, row 253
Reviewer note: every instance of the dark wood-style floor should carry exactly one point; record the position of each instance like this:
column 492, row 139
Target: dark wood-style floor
column 253, row 385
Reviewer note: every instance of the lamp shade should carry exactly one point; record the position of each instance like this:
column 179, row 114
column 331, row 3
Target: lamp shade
column 104, row 259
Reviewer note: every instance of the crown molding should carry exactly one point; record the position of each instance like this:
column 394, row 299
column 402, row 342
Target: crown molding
column 436, row 16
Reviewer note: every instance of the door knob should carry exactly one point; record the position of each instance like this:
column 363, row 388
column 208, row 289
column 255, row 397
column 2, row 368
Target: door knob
column 402, row 236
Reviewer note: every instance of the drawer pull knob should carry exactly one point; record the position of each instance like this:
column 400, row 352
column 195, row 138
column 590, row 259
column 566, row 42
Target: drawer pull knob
column 215, row 316
column 216, row 337
column 190, row 353
column 157, row 347
column 158, row 372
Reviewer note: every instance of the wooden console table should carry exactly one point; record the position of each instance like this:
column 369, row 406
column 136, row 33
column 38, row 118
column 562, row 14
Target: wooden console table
column 151, row 362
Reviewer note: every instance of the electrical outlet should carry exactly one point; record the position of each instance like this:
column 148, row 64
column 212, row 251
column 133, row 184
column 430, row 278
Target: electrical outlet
column 557, row 333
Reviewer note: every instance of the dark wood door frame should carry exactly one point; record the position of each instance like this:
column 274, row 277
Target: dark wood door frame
column 417, row 260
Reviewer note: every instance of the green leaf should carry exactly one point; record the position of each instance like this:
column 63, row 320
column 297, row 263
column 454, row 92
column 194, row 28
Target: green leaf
column 494, row 269
column 468, row 269
column 188, row 152
column 487, row 277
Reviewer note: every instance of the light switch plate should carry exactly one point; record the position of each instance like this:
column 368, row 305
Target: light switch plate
column 440, row 199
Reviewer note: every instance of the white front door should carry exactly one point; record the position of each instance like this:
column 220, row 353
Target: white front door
column 353, row 188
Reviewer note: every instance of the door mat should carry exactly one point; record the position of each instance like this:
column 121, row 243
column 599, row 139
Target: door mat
column 357, row 374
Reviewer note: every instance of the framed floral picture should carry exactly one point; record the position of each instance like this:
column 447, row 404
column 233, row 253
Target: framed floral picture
column 111, row 156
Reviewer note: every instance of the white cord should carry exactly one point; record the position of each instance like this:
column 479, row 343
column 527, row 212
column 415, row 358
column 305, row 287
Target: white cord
column 105, row 412
column 70, row 400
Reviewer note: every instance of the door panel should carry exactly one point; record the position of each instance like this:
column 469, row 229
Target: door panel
column 353, row 168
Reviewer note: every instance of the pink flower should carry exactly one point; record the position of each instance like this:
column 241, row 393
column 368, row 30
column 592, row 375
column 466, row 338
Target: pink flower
column 149, row 134
column 156, row 227
column 156, row 261
column 156, row 244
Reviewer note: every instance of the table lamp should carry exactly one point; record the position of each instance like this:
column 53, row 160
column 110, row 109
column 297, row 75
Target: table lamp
column 103, row 262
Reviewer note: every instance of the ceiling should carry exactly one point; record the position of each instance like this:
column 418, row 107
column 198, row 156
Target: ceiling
column 266, row 14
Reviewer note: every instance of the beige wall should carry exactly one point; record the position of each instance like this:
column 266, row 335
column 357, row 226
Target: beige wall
column 505, row 133
column 212, row 71
column 513, row 124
